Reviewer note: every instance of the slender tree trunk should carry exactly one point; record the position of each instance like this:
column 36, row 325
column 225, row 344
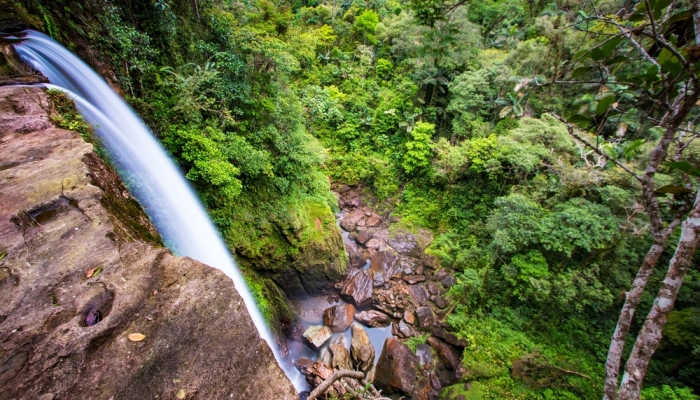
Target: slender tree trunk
column 651, row 333
column 632, row 299
column 680, row 108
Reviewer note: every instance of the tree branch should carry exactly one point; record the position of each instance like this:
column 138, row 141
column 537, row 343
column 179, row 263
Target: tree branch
column 627, row 33
column 343, row 373
column 573, row 133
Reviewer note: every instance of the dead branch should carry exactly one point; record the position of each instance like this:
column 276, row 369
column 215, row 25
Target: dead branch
column 343, row 373
column 573, row 133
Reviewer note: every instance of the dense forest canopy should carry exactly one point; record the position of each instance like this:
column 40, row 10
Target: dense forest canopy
column 517, row 131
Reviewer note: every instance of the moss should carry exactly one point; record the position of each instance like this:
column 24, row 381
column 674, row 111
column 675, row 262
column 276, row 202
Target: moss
column 271, row 301
column 414, row 341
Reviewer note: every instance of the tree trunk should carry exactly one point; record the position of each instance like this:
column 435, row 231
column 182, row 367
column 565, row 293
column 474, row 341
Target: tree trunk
column 632, row 299
column 651, row 333
column 680, row 108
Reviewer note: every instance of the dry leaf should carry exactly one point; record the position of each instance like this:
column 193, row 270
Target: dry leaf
column 181, row 394
column 136, row 337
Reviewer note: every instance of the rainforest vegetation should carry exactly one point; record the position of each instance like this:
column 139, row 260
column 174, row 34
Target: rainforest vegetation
column 520, row 132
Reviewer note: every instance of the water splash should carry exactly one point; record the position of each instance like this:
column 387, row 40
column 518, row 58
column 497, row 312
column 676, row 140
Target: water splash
column 150, row 174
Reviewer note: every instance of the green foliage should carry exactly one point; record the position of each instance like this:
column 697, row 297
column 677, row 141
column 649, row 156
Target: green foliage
column 418, row 149
column 366, row 25
column 384, row 68
column 442, row 114
column 666, row 392
column 414, row 341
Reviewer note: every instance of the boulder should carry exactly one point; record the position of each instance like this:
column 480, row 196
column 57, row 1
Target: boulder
column 361, row 349
column 410, row 265
column 409, row 316
column 403, row 330
column 440, row 301
column 383, row 266
column 425, row 317
column 351, row 219
column 448, row 281
column 441, row 332
column 318, row 335
column 340, row 355
column 316, row 372
column 356, row 255
column 358, row 288
column 447, row 353
column 373, row 220
column 406, row 244
column 325, row 356
column 362, row 236
column 434, row 288
column 424, row 353
column 373, row 318
column 339, row 317
column 396, row 367
column 419, row 297
column 92, row 306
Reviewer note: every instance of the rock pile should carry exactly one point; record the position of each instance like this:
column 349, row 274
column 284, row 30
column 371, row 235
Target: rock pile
column 391, row 281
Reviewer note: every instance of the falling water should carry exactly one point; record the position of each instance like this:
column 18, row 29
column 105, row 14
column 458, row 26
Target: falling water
column 144, row 165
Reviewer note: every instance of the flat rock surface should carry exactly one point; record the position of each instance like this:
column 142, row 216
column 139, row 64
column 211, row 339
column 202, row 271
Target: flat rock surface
column 83, row 272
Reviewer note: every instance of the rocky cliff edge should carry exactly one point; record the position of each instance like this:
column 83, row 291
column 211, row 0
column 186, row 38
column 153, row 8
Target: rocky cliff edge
column 91, row 305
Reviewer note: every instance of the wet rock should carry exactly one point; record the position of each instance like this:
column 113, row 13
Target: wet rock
column 448, row 281
column 409, row 316
column 361, row 349
column 447, row 336
column 350, row 220
column 419, row 297
column 403, row 330
column 413, row 279
column 440, row 301
column 410, row 265
column 318, row 335
column 341, row 356
column 447, row 353
column 316, row 372
column 424, row 353
column 339, row 317
column 406, row 244
column 373, row 220
column 325, row 356
column 396, row 367
column 356, row 255
column 362, row 237
column 383, row 266
column 64, row 211
column 373, row 318
column 425, row 317
column 433, row 288
column 358, row 287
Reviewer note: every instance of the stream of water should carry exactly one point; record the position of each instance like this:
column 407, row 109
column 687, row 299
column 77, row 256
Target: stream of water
column 152, row 177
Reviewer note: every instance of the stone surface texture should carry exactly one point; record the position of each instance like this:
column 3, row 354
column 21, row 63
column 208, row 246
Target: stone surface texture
column 83, row 270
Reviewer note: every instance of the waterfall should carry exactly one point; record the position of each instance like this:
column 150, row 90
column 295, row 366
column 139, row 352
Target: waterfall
column 152, row 177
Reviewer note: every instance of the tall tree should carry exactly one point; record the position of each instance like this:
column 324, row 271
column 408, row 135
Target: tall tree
column 652, row 46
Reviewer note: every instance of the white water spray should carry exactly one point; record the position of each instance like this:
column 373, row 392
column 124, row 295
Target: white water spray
column 150, row 174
